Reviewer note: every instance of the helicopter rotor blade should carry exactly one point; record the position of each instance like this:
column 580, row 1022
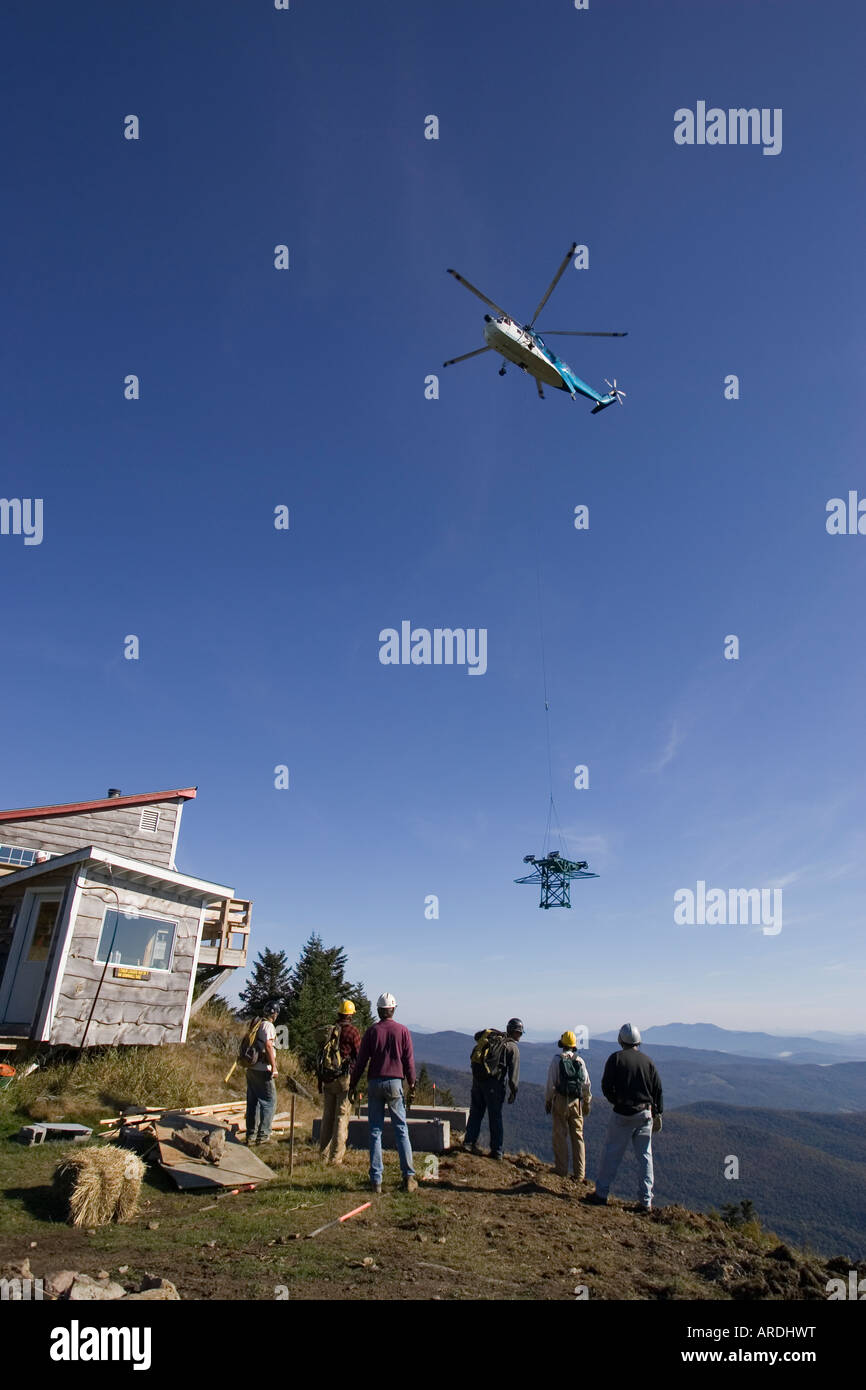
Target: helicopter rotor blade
column 466, row 356
column 577, row 333
column 554, row 282
column 465, row 283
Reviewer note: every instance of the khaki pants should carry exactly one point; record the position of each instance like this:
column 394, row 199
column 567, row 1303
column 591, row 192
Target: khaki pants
column 335, row 1119
column 568, row 1121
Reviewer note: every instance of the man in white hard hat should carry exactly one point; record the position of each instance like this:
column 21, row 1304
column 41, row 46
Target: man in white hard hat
column 387, row 1048
column 632, row 1085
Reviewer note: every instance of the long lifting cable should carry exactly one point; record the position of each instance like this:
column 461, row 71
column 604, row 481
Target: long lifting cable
column 552, row 814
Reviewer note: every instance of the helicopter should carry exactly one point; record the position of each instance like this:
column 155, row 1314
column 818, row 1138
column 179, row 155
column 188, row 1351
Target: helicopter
column 526, row 348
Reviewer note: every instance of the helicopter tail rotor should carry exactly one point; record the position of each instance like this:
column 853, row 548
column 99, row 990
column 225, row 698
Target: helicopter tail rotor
column 615, row 391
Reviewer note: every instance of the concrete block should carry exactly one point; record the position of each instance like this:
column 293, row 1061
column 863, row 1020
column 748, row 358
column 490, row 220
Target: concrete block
column 456, row 1115
column 425, row 1136
column 47, row 1129
column 32, row 1134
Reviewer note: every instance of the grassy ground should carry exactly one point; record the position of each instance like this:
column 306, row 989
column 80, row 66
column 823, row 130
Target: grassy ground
column 486, row 1230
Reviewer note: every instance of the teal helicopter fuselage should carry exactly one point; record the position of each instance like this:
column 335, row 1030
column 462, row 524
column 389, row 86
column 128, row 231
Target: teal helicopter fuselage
column 525, row 348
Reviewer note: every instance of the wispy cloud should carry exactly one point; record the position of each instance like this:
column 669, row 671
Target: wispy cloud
column 670, row 749
column 786, row 880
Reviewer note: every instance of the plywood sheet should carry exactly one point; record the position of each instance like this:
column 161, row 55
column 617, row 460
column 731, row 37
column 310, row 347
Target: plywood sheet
column 238, row 1164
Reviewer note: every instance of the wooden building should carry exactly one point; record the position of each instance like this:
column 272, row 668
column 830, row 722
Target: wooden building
column 100, row 935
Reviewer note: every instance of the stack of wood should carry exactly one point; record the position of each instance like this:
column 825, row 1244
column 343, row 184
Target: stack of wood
column 231, row 1114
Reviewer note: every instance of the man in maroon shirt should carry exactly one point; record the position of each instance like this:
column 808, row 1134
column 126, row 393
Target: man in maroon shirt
column 335, row 1063
column 387, row 1047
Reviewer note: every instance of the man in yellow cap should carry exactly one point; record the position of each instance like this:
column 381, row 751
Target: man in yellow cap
column 333, row 1068
column 567, row 1095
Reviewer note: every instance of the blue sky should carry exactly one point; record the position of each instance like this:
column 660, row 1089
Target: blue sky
column 305, row 387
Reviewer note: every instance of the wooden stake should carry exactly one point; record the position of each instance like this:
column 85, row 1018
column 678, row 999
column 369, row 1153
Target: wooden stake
column 292, row 1138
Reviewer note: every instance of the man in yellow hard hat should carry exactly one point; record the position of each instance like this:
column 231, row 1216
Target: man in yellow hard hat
column 568, row 1097
column 333, row 1068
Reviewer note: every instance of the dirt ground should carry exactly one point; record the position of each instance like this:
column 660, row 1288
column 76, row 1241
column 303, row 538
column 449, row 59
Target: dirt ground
column 509, row 1230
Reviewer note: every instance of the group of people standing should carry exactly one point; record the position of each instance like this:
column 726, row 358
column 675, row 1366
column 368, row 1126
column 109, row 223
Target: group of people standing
column 630, row 1083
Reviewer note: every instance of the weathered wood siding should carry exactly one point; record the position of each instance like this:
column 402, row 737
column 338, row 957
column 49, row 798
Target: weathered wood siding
column 127, row 1011
column 113, row 828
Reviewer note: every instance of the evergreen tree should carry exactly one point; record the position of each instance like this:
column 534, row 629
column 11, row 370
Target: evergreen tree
column 319, row 985
column 363, row 1015
column 270, row 979
column 424, row 1092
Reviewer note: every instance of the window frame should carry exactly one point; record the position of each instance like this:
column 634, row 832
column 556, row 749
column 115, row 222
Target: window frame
column 133, row 913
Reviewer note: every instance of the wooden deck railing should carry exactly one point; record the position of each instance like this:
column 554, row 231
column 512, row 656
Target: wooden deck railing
column 226, row 931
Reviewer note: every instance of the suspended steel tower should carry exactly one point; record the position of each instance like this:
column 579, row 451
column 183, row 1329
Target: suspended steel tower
column 555, row 873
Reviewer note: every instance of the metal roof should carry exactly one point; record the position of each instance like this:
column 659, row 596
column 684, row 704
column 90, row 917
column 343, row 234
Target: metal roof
column 71, row 808
column 93, row 854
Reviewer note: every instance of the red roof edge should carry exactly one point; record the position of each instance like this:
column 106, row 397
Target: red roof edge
column 72, row 808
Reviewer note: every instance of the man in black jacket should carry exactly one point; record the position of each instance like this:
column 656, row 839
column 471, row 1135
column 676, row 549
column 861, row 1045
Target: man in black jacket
column 631, row 1084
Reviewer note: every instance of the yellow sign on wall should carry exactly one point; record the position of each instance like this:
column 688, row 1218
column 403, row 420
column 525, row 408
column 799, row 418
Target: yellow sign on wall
column 129, row 972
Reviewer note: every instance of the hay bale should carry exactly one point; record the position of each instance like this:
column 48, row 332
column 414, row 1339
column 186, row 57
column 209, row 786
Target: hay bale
column 95, row 1186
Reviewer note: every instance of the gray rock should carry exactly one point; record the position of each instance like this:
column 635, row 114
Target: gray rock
column 87, row 1290
column 165, row 1292
column 60, row 1282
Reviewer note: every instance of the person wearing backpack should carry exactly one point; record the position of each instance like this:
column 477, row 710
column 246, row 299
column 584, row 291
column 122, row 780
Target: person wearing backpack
column 258, row 1055
column 334, row 1063
column 495, row 1062
column 567, row 1096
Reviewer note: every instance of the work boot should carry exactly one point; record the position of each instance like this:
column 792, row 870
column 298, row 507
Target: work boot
column 494, row 1154
column 595, row 1200
column 377, row 1188
column 410, row 1184
column 472, row 1149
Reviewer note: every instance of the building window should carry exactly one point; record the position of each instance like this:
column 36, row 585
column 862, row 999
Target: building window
column 144, row 942
column 40, row 941
column 13, row 854
column 149, row 820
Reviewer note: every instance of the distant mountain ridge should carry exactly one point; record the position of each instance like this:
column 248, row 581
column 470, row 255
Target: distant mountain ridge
column 709, row 1037
column 821, row 1047
column 690, row 1075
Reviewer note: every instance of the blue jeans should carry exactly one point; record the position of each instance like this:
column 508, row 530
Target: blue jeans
column 487, row 1095
column 261, row 1104
column 382, row 1091
column 639, row 1129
